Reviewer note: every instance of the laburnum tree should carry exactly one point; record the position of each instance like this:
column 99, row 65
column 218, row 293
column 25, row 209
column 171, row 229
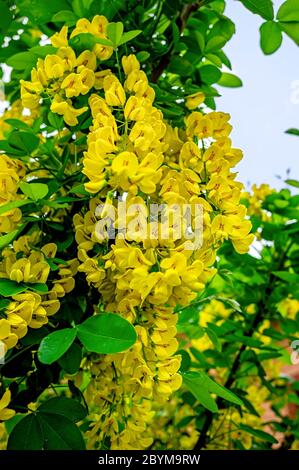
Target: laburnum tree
column 114, row 340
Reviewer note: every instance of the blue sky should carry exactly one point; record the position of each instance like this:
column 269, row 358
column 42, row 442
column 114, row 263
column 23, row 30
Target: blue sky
column 266, row 105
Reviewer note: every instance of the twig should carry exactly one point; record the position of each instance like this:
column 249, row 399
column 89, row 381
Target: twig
column 181, row 24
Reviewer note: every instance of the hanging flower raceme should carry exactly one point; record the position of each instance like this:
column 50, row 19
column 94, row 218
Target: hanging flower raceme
column 143, row 264
column 31, row 267
column 11, row 171
column 255, row 200
column 63, row 76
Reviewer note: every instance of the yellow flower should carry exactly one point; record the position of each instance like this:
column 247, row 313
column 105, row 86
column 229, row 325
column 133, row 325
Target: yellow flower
column 105, row 140
column 68, row 112
column 135, row 109
column 288, row 308
column 142, row 135
column 72, row 85
column 199, row 125
column 98, row 26
column 68, row 56
column 114, row 92
column 241, row 245
column 87, row 80
column 87, row 59
column 194, row 100
column 130, row 64
column 60, row 39
column 54, row 66
column 126, row 163
column 6, row 336
column 99, row 78
column 5, row 412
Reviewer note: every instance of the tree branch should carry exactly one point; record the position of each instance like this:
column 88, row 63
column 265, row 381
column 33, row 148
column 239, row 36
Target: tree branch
column 181, row 22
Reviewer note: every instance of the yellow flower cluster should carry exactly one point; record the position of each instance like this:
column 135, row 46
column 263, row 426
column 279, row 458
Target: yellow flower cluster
column 289, row 308
column 226, row 428
column 174, row 426
column 256, row 198
column 134, row 156
column 63, row 76
column 11, row 170
column 15, row 111
column 22, row 264
column 214, row 312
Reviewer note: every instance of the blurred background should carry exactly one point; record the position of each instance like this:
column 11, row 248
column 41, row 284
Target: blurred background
column 267, row 104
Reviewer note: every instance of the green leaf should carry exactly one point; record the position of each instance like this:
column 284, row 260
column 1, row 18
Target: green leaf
column 294, row 183
column 291, row 29
column 271, row 37
column 280, row 203
column 222, row 392
column 186, row 360
column 38, row 287
column 9, row 237
column 79, row 189
column 209, row 74
column 142, row 56
column 34, row 191
column 9, row 288
column 55, row 120
column 85, row 41
column 201, row 393
column 43, row 51
column 11, row 151
column 215, row 43
column 180, row 66
column 53, row 346
column 286, row 276
column 230, row 80
column 71, row 359
column 64, row 406
column 59, row 432
column 34, row 336
column 81, row 7
column 41, row 11
column 292, row 131
column 22, row 60
column 214, row 59
column 68, row 17
column 199, row 381
column 115, row 32
column 126, row 37
column 24, row 142
column 4, row 303
column 223, row 27
column 288, row 11
column 5, row 17
column 214, row 338
column 17, row 124
column 264, row 8
column 106, row 334
column 12, row 422
column 26, row 435
column 231, row 302
column 258, row 433
column 13, row 205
